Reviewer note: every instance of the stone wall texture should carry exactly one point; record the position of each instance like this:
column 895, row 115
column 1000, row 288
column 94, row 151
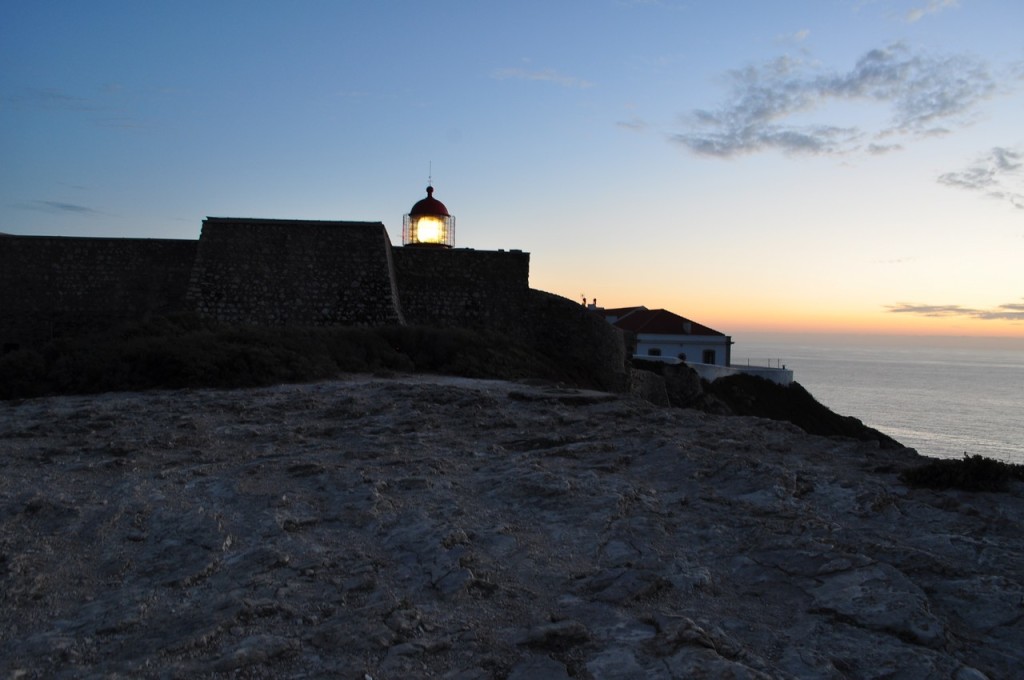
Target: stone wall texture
column 58, row 286
column 589, row 348
column 463, row 288
column 294, row 273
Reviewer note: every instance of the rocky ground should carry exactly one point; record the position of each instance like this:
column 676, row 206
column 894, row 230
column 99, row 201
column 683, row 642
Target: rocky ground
column 439, row 527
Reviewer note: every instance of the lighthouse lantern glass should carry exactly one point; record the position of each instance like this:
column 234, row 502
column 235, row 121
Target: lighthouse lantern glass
column 429, row 229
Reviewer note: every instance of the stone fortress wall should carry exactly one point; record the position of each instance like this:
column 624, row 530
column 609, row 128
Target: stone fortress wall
column 288, row 273
column 52, row 287
column 463, row 287
column 294, row 273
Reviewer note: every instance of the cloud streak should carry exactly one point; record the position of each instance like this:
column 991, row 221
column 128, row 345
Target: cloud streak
column 933, row 7
column 634, row 124
column 1013, row 311
column 47, row 99
column 922, row 93
column 797, row 37
column 997, row 174
column 59, row 207
column 544, row 75
column 106, row 110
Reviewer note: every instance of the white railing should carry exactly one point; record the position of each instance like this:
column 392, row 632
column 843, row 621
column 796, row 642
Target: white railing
column 769, row 363
column 780, row 374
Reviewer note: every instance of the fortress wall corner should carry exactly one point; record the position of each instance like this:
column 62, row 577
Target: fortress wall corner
column 294, row 273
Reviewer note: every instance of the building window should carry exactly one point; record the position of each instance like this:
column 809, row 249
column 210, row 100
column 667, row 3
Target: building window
column 709, row 356
column 682, row 356
column 654, row 352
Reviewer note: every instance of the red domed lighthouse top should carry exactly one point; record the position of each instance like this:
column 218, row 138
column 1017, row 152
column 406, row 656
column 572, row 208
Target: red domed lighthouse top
column 428, row 223
column 429, row 205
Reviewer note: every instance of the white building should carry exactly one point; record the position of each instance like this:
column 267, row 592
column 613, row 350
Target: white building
column 660, row 333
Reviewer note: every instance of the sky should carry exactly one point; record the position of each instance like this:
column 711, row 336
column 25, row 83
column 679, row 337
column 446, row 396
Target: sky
column 802, row 166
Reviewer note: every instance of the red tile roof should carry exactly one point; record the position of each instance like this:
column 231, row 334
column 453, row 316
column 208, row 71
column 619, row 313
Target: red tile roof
column 660, row 322
column 618, row 312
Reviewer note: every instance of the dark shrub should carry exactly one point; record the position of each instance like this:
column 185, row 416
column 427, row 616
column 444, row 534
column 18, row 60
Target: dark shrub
column 22, row 374
column 188, row 351
column 970, row 473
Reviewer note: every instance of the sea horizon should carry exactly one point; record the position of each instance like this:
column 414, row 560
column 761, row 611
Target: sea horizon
column 944, row 396
column 1012, row 343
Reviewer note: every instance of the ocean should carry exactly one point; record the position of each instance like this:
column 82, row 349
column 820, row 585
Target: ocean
column 943, row 396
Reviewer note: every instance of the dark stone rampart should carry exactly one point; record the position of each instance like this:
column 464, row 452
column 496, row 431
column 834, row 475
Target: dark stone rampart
column 294, row 273
column 281, row 273
column 490, row 289
column 461, row 287
column 58, row 286
column 589, row 348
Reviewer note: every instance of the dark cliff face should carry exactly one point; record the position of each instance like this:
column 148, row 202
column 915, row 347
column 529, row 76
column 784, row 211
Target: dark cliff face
column 747, row 395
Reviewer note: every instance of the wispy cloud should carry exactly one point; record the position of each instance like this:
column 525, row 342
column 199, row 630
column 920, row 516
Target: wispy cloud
column 795, row 37
column 667, row 4
column 932, row 7
column 1013, row 311
column 544, row 75
column 124, row 123
column 58, row 207
column 351, row 94
column 879, row 149
column 924, row 94
column 47, row 99
column 110, row 106
column 998, row 174
column 634, row 124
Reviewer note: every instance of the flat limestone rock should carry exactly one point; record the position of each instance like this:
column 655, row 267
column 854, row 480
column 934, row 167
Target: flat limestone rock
column 419, row 526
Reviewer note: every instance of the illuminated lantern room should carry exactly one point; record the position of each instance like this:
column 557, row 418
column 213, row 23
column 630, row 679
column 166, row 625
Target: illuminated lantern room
column 428, row 224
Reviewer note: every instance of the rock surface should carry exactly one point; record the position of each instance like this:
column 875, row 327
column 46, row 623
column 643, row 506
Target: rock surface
column 441, row 527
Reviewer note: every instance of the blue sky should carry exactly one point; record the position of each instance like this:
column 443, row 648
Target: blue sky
column 821, row 165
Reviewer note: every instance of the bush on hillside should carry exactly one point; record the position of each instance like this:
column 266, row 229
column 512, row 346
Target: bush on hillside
column 188, row 351
column 970, row 473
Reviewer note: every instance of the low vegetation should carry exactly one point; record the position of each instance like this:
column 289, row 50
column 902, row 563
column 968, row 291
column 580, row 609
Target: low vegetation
column 970, row 473
column 188, row 351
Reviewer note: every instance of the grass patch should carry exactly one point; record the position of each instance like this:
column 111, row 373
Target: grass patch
column 188, row 351
column 970, row 473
